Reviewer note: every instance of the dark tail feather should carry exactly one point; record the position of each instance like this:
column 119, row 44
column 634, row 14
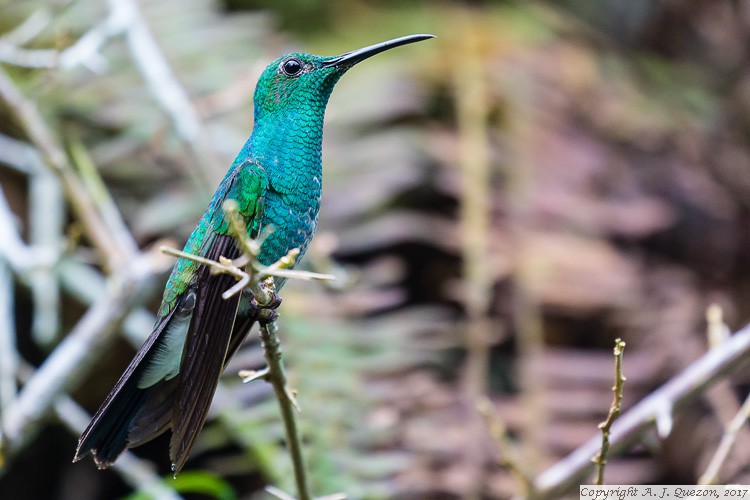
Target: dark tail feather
column 131, row 416
column 155, row 415
column 135, row 416
column 107, row 435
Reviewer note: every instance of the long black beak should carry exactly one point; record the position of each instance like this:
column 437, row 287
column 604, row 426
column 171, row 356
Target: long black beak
column 351, row 58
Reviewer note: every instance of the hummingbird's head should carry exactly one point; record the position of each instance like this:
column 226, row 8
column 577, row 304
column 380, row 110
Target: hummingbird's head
column 305, row 81
column 295, row 81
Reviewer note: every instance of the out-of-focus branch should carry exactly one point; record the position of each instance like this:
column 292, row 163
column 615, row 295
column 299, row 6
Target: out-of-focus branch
column 115, row 246
column 155, row 69
column 14, row 251
column 97, row 190
column 87, row 285
column 28, row 58
column 28, row 29
column 164, row 86
column 16, row 256
column 8, row 353
column 474, row 159
column 508, row 454
column 46, row 209
column 657, row 408
column 19, row 155
column 46, row 220
column 84, row 52
column 711, row 475
column 125, row 18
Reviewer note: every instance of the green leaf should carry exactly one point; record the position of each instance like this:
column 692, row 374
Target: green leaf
column 201, row 482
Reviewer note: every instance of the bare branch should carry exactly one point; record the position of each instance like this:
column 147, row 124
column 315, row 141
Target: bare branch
column 711, row 476
column 614, row 411
column 14, row 251
column 29, row 28
column 84, row 52
column 269, row 336
column 658, row 406
column 20, row 155
column 508, row 455
column 115, row 247
column 164, row 86
column 9, row 358
column 226, row 266
column 46, row 210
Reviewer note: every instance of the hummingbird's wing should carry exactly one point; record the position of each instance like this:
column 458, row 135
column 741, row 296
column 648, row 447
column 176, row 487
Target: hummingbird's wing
column 172, row 378
column 206, row 348
column 210, row 333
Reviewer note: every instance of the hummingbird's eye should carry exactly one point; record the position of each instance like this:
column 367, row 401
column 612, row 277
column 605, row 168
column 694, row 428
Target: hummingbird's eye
column 292, row 67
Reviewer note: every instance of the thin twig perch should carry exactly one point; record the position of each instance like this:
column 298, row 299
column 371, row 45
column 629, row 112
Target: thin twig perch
column 600, row 459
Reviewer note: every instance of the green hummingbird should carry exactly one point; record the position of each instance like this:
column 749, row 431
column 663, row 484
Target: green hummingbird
column 275, row 181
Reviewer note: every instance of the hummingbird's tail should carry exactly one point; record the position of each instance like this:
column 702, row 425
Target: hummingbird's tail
column 132, row 416
column 107, row 435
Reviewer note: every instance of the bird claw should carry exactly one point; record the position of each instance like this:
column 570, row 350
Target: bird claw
column 266, row 313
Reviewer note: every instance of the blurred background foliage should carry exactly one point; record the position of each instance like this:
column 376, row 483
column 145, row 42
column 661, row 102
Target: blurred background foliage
column 500, row 204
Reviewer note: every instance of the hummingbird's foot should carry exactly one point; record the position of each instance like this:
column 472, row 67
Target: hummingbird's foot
column 266, row 313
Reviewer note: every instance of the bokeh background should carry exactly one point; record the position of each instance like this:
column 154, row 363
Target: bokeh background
column 500, row 204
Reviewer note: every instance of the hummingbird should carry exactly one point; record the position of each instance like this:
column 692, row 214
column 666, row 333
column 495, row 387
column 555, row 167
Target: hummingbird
column 276, row 181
